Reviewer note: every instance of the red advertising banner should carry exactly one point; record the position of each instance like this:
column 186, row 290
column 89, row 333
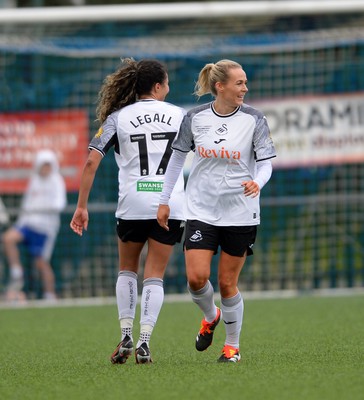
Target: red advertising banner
column 22, row 134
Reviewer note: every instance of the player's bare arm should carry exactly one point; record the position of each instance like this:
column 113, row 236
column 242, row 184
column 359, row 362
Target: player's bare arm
column 80, row 218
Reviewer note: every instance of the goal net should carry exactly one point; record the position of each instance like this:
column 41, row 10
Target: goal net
column 304, row 62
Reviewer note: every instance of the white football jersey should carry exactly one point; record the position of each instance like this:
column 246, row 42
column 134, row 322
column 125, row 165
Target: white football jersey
column 227, row 148
column 142, row 134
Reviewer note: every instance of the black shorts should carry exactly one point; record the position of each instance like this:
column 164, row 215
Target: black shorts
column 141, row 230
column 233, row 240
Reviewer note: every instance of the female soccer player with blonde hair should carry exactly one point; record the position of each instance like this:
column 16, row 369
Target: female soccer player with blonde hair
column 231, row 164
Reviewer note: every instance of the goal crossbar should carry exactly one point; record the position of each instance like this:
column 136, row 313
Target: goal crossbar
column 162, row 11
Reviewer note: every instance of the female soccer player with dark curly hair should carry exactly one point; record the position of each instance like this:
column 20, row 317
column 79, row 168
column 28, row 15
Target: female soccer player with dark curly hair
column 140, row 126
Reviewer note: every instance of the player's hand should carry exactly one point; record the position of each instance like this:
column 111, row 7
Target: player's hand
column 163, row 215
column 79, row 221
column 251, row 188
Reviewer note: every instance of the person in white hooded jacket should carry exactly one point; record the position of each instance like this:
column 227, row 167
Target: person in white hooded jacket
column 37, row 225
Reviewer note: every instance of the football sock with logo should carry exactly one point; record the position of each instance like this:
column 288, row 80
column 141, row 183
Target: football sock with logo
column 204, row 298
column 126, row 298
column 151, row 304
column 232, row 310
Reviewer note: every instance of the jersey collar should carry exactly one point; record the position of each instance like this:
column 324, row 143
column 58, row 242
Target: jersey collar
column 224, row 115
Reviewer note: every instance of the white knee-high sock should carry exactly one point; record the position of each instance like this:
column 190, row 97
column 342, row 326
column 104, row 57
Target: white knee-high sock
column 126, row 297
column 204, row 298
column 232, row 310
column 151, row 304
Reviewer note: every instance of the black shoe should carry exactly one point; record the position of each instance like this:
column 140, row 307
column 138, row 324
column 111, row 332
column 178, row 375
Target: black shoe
column 123, row 350
column 229, row 354
column 142, row 354
column 206, row 333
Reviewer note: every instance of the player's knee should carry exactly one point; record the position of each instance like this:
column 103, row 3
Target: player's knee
column 8, row 238
column 227, row 286
column 197, row 282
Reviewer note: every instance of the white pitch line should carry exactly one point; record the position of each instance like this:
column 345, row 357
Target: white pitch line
column 185, row 297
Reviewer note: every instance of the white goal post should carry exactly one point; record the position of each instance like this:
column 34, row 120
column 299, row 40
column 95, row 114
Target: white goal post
column 160, row 11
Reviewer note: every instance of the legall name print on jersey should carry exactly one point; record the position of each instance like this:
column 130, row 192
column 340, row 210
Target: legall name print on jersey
column 147, row 119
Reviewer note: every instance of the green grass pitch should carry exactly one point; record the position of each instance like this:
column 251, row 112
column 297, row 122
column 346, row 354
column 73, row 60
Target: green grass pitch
column 303, row 348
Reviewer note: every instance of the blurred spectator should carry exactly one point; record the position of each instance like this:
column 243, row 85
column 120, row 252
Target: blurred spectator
column 37, row 226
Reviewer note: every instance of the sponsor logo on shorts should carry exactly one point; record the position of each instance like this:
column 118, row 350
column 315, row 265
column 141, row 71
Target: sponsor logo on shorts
column 143, row 186
column 196, row 237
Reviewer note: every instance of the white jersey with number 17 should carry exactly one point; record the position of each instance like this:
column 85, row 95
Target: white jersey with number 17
column 142, row 134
